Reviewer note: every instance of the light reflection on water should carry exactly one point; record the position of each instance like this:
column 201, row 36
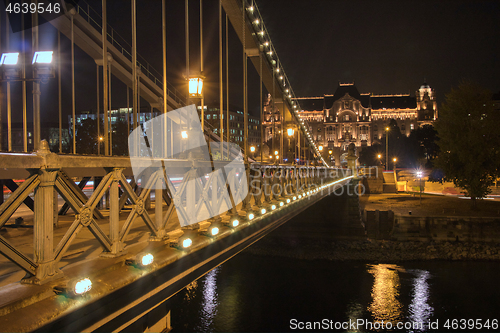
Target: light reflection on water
column 257, row 293
column 419, row 310
column 385, row 304
column 210, row 302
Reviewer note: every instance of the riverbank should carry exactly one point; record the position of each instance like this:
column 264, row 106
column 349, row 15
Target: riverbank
column 373, row 250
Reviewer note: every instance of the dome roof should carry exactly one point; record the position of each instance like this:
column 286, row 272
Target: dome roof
column 425, row 86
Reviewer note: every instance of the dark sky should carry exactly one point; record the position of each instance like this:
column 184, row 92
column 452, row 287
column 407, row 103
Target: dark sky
column 386, row 47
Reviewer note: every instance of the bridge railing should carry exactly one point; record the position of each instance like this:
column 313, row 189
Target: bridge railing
column 47, row 175
column 123, row 46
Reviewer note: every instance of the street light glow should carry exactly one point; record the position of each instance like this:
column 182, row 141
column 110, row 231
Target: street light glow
column 290, row 131
column 42, row 57
column 320, row 148
column 9, row 58
column 195, row 86
column 252, row 149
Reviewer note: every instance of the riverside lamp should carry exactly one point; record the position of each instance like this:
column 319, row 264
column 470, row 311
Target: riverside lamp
column 419, row 175
column 387, row 148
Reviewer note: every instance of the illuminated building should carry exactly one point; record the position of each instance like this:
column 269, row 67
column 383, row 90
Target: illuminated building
column 348, row 116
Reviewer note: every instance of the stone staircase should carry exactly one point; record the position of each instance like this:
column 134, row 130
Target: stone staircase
column 389, row 183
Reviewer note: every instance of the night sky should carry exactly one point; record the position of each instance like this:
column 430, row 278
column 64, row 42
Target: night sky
column 385, row 47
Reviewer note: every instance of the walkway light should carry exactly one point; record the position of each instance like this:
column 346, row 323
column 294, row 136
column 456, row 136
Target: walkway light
column 144, row 259
column 263, row 211
column 273, row 207
column 214, row 231
column 287, row 200
column 275, row 152
column 250, row 216
column 196, row 87
column 187, row 242
column 80, row 287
column 294, row 198
column 235, row 223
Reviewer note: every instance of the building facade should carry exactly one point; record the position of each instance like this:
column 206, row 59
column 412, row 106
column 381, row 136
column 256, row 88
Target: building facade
column 347, row 116
column 236, row 125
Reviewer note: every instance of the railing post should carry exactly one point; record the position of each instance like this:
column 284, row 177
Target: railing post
column 114, row 215
column 159, row 206
column 43, row 228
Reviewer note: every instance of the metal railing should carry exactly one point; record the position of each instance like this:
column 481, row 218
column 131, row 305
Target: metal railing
column 95, row 20
column 49, row 173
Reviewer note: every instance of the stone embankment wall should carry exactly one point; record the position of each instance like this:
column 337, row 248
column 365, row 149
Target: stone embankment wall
column 387, row 225
column 374, row 250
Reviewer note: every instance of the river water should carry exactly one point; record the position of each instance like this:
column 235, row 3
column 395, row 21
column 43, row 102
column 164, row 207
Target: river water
column 255, row 293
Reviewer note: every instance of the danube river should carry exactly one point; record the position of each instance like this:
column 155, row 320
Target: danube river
column 254, row 293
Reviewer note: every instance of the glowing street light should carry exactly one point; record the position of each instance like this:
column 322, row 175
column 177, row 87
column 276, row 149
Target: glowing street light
column 290, row 131
column 9, row 65
column 320, row 148
column 252, row 149
column 42, row 62
column 419, row 175
column 387, row 148
column 196, row 87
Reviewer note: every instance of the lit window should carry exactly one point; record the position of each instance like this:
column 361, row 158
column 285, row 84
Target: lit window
column 412, row 126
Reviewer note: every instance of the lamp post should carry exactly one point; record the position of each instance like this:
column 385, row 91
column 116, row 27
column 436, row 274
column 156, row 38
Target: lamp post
column 43, row 70
column 290, row 132
column 419, row 175
column 386, row 148
column 252, row 150
column 379, row 156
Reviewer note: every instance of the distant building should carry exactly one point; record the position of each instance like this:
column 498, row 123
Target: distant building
column 49, row 132
column 347, row 116
column 236, row 124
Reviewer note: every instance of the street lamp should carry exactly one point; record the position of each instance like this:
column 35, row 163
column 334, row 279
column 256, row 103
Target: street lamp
column 9, row 65
column 252, row 150
column 394, row 160
column 419, row 175
column 320, row 148
column 196, row 87
column 387, row 148
column 290, row 131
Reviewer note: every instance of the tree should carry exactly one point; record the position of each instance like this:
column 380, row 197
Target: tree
column 427, row 138
column 469, row 139
column 87, row 137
